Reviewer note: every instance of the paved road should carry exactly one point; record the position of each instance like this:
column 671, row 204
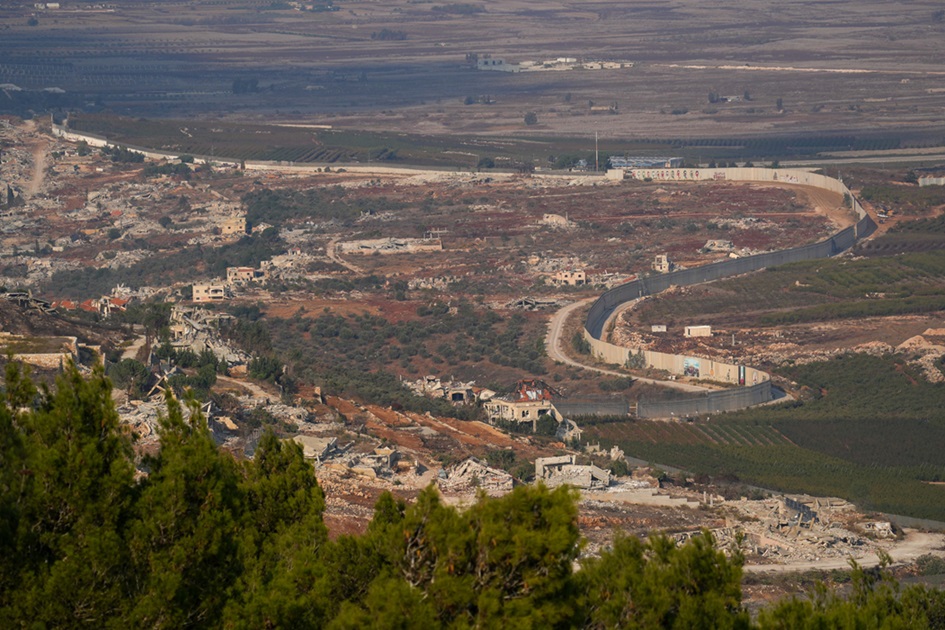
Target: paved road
column 553, row 347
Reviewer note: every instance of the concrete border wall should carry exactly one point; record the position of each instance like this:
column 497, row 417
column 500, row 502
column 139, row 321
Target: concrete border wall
column 95, row 140
column 757, row 383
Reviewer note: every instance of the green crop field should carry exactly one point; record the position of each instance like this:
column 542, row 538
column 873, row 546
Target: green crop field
column 816, row 290
column 871, row 431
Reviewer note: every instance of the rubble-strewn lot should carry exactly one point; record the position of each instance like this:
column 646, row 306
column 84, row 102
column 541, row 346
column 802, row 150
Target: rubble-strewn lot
column 84, row 212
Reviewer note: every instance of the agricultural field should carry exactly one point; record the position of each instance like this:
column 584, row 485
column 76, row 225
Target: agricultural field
column 867, row 429
column 791, row 293
column 729, row 82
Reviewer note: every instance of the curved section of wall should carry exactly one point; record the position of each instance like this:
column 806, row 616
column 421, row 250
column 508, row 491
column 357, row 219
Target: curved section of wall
column 756, row 384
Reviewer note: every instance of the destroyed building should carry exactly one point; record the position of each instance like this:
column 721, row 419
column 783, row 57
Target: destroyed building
column 558, row 471
column 457, row 392
column 662, row 264
column 318, row 448
column 531, row 400
column 718, row 245
column 209, row 293
column 391, row 246
column 472, row 475
column 572, row 278
column 380, row 462
column 233, row 226
column 197, row 329
column 241, row 275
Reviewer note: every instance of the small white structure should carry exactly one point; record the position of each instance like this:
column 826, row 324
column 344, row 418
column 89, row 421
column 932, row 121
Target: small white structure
column 658, row 328
column 496, row 64
column 698, row 331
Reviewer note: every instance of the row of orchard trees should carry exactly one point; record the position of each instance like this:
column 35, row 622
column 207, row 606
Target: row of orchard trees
column 206, row 540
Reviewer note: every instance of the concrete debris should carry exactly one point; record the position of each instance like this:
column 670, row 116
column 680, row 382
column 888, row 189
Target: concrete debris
column 881, row 529
column 557, row 471
column 457, row 392
column 318, row 448
column 381, row 462
column 391, row 246
column 533, row 304
column 26, row 300
column 439, row 283
column 927, row 354
column 197, row 329
column 569, row 431
column 471, row 475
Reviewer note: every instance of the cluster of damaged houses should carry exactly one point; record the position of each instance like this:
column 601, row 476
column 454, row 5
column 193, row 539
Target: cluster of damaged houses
column 238, row 277
column 470, row 475
column 530, row 400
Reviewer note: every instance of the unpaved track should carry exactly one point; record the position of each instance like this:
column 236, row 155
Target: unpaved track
column 823, row 201
column 39, row 146
column 333, row 254
column 255, row 390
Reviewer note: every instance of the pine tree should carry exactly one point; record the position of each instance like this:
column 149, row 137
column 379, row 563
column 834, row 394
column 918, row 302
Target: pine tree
column 283, row 536
column 72, row 500
column 184, row 540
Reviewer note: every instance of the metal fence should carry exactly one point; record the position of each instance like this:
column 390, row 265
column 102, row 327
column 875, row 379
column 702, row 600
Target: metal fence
column 711, row 402
column 576, row 408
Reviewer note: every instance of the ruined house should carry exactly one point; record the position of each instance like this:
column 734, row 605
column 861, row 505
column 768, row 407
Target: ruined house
column 196, row 329
column 317, row 448
column 531, row 400
column 242, row 275
column 662, row 264
column 557, row 471
column 457, row 392
column 210, row 293
column 471, row 475
column 233, row 226
column 571, row 278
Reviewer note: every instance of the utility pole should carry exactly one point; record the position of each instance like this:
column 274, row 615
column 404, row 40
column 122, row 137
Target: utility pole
column 596, row 154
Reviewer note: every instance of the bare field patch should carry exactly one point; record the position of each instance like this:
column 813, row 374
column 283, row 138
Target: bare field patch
column 807, row 67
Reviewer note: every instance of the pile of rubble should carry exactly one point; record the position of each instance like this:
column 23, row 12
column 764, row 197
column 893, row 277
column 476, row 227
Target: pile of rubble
column 196, row 329
column 789, row 529
column 929, row 353
column 561, row 470
column 471, row 475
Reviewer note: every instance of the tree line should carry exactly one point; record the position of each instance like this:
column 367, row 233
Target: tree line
column 193, row 537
